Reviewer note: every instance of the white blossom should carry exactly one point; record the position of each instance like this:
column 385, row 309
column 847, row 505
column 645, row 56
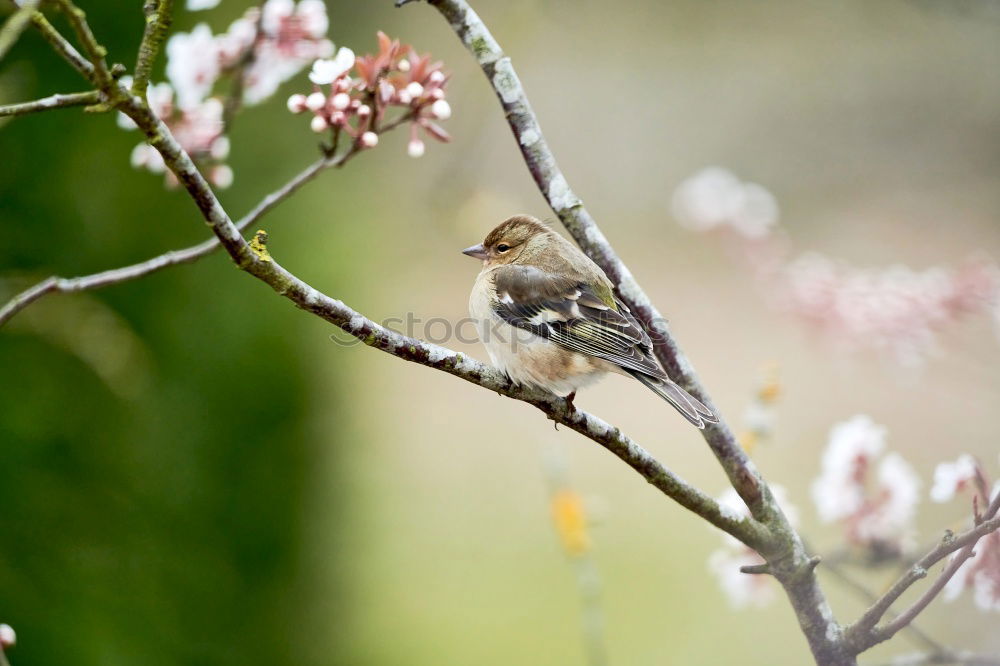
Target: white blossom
column 715, row 197
column 221, row 176
column 950, row 477
column 851, row 447
column 981, row 573
column 201, row 5
column 891, row 515
column 327, row 71
column 874, row 512
column 742, row 590
column 192, row 65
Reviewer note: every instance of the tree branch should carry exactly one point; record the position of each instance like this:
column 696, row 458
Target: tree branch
column 158, row 18
column 256, row 260
column 863, row 634
column 15, row 25
column 57, row 101
column 784, row 551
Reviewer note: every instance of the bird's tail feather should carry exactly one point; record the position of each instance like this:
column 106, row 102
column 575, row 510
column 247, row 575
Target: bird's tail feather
column 690, row 407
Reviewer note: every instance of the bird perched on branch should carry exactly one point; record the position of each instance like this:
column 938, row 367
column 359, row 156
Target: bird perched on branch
column 548, row 317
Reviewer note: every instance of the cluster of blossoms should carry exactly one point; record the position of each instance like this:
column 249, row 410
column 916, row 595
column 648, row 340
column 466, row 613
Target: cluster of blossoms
column 356, row 105
column 744, row 590
column 877, row 513
column 981, row 573
column 894, row 309
column 264, row 48
column 270, row 44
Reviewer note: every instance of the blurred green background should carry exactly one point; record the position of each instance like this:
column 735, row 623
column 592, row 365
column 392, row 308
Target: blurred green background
column 191, row 472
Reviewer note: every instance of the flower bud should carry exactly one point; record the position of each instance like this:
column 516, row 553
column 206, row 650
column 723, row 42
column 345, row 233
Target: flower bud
column 404, row 97
column 338, row 118
column 7, row 637
column 297, row 103
column 403, row 65
column 318, row 124
column 415, row 89
column 437, row 93
column 415, row 148
column 436, row 77
column 369, row 139
column 341, row 101
column 316, row 101
column 222, row 176
column 220, row 148
column 441, row 109
column 364, row 110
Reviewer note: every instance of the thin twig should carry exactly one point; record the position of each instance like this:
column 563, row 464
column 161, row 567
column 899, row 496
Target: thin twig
column 861, row 590
column 94, row 51
column 863, row 634
column 62, row 46
column 158, row 18
column 57, row 101
column 15, row 25
column 188, row 255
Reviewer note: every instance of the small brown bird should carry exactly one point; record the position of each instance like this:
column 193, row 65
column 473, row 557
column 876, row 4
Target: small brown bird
column 548, row 317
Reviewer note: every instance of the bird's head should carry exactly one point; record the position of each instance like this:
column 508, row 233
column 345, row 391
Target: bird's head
column 508, row 240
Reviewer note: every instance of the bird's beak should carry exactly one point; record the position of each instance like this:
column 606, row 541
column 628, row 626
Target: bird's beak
column 476, row 251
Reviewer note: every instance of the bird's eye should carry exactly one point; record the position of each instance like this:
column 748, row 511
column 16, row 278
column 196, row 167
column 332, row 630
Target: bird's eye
column 503, row 247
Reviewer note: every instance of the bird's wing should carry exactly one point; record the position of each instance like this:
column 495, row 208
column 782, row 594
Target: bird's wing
column 573, row 315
